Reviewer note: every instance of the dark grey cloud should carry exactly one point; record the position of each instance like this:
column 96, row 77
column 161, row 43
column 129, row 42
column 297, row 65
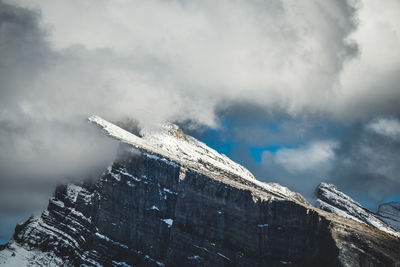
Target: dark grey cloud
column 367, row 163
column 40, row 144
column 24, row 51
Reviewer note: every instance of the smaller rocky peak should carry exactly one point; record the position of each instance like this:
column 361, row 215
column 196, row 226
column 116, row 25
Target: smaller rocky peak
column 331, row 199
column 330, row 194
column 390, row 213
column 390, row 208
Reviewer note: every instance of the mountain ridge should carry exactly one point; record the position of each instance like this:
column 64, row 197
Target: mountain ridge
column 189, row 153
column 150, row 210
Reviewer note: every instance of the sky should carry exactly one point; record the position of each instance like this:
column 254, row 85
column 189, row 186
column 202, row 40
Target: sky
column 299, row 92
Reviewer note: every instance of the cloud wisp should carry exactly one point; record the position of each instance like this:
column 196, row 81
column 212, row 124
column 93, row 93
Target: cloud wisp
column 386, row 127
column 314, row 157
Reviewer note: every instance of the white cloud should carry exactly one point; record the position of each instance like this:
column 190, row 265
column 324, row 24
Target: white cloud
column 369, row 84
column 386, row 127
column 313, row 157
column 187, row 57
column 178, row 60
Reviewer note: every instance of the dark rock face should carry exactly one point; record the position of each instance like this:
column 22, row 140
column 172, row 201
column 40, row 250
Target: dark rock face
column 145, row 210
column 148, row 211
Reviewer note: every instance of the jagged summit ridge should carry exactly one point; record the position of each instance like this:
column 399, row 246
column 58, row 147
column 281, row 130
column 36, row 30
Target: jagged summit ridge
column 169, row 141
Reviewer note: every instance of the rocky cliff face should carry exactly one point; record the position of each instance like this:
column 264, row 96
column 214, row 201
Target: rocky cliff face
column 158, row 207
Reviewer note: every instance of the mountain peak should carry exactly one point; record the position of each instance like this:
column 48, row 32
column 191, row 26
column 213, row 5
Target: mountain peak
column 169, row 141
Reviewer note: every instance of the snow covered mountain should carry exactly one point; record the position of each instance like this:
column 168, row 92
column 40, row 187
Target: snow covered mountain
column 333, row 200
column 169, row 200
column 169, row 142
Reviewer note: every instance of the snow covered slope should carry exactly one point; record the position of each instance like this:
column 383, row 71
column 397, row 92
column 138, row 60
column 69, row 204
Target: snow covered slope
column 333, row 200
column 16, row 256
column 170, row 142
column 390, row 213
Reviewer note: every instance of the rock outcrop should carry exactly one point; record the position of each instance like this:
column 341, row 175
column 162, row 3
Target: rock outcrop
column 169, row 200
column 390, row 213
column 331, row 199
